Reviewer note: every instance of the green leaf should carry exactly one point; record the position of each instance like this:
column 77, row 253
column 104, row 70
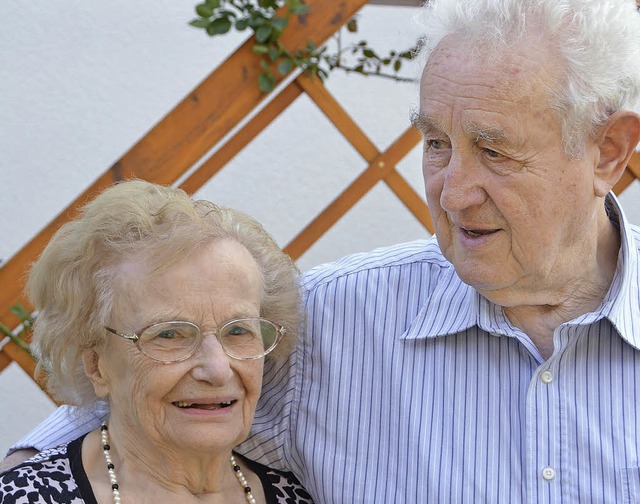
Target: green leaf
column 199, row 23
column 263, row 33
column 284, row 67
column 5, row 330
column 20, row 311
column 266, row 81
column 260, row 49
column 352, row 25
column 256, row 20
column 242, row 24
column 397, row 64
column 300, row 10
column 279, row 23
column 213, row 3
column 368, row 53
column 204, row 10
column 273, row 53
column 219, row 26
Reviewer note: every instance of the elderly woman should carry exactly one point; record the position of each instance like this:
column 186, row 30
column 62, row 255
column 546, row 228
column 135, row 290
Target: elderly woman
column 166, row 308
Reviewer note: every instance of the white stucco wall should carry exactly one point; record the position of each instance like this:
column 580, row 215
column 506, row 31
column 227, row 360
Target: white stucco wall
column 82, row 81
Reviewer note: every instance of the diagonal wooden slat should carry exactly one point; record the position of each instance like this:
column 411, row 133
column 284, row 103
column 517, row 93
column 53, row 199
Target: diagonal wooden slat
column 380, row 167
column 625, row 181
column 410, row 199
column 200, row 120
column 214, row 108
column 183, row 136
column 239, row 141
column 4, row 360
column 343, row 122
column 634, row 164
column 14, row 353
column 339, row 117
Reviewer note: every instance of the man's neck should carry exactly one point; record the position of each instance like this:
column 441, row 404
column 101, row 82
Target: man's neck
column 580, row 293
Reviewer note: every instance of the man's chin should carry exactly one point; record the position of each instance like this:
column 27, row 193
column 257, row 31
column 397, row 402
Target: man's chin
column 483, row 278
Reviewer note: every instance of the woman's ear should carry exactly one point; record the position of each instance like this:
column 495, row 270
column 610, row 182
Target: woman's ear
column 617, row 142
column 93, row 370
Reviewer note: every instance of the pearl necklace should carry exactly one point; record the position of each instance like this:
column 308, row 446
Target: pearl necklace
column 104, row 435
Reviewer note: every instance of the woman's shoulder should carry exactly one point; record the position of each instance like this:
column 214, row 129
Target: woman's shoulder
column 279, row 486
column 45, row 477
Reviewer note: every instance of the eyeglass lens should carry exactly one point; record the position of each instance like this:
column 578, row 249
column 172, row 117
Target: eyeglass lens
column 244, row 338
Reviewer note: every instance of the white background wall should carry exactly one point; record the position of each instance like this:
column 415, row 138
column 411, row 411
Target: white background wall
column 82, row 81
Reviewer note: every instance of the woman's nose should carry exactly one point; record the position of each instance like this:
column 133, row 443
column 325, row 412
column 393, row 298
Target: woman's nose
column 211, row 363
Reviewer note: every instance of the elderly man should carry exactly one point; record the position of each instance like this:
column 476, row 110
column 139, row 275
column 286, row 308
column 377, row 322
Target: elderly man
column 499, row 363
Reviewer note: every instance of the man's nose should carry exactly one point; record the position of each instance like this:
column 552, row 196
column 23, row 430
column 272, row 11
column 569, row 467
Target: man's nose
column 462, row 185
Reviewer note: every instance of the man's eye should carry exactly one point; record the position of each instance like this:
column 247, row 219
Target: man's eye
column 435, row 144
column 492, row 154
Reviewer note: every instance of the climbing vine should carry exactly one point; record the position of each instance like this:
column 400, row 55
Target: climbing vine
column 269, row 19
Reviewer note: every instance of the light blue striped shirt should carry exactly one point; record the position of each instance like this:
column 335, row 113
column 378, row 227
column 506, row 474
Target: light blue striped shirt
column 412, row 388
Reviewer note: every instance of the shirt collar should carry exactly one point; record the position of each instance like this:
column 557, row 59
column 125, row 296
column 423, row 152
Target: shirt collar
column 454, row 306
column 451, row 308
column 621, row 305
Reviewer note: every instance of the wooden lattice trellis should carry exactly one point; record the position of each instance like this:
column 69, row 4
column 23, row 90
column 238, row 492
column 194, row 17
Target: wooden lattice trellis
column 204, row 117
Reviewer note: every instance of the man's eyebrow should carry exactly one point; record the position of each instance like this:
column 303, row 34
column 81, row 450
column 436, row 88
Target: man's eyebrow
column 423, row 122
column 493, row 135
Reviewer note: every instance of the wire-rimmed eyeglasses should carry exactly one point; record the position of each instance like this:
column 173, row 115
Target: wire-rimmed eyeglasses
column 176, row 341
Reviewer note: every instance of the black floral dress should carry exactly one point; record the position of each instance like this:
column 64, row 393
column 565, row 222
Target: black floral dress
column 57, row 476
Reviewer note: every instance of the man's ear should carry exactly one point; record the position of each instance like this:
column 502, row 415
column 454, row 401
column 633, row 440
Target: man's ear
column 93, row 370
column 617, row 142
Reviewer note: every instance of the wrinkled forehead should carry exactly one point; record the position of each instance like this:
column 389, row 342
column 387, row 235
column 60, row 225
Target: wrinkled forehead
column 528, row 66
column 162, row 260
column 220, row 269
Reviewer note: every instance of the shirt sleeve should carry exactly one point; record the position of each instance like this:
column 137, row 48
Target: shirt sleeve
column 271, row 428
column 63, row 426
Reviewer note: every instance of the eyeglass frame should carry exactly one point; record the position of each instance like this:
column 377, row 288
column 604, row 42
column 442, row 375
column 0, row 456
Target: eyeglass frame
column 135, row 338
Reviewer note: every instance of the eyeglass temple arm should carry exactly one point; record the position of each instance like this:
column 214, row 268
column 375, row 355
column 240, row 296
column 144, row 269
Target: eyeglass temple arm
column 133, row 337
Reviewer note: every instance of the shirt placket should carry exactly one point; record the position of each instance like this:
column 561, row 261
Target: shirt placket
column 543, row 431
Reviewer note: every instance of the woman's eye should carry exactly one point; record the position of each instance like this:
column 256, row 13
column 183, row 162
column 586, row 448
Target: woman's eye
column 236, row 331
column 167, row 335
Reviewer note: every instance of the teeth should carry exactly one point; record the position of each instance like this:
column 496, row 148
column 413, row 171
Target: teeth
column 184, row 404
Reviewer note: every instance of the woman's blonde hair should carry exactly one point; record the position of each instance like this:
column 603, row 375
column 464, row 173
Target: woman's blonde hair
column 71, row 284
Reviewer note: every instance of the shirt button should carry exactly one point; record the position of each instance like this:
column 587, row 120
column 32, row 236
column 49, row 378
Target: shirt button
column 546, row 376
column 548, row 473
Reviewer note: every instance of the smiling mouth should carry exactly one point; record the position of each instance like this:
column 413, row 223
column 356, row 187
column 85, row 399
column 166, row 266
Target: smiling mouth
column 474, row 233
column 210, row 406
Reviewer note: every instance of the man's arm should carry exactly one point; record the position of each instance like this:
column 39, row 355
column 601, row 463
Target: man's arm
column 64, row 425
column 15, row 458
